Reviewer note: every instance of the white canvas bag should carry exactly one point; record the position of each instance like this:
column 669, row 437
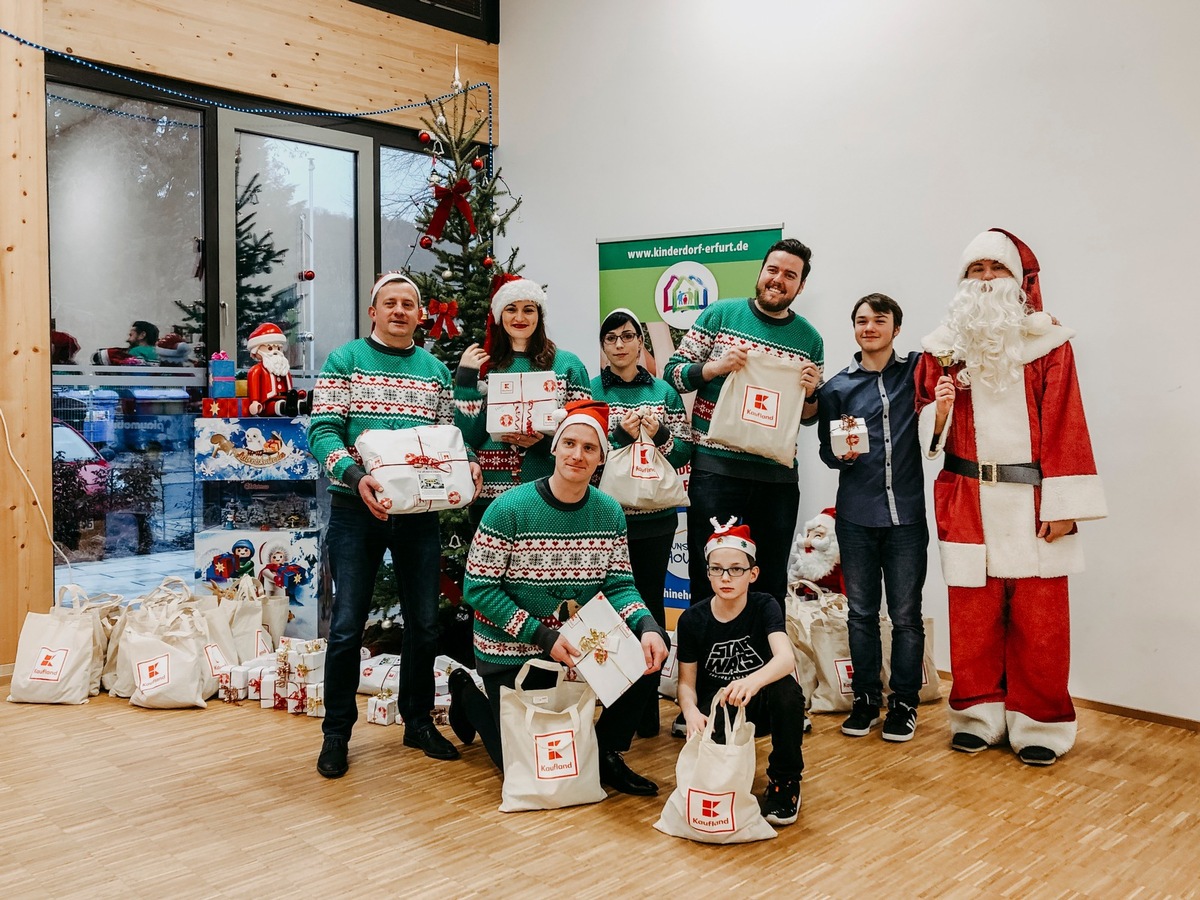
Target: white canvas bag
column 759, row 408
column 245, row 614
column 169, row 668
column 713, row 801
column 638, row 476
column 548, row 737
column 801, row 612
column 421, row 469
column 831, row 648
column 931, row 683
column 54, row 656
column 149, row 614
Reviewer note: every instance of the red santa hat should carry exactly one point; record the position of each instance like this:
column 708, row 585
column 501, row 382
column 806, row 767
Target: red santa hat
column 515, row 289
column 1005, row 247
column 266, row 333
column 592, row 413
column 736, row 537
column 825, row 517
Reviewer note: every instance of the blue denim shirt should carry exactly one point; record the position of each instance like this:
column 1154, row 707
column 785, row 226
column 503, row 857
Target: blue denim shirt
column 884, row 486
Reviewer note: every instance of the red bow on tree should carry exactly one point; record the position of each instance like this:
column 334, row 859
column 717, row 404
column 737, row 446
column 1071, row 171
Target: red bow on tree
column 443, row 313
column 447, row 197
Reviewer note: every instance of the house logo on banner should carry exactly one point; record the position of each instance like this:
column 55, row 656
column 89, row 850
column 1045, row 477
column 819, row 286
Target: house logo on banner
column 556, row 755
column 50, row 665
column 154, row 673
column 683, row 292
column 712, row 813
column 761, row 407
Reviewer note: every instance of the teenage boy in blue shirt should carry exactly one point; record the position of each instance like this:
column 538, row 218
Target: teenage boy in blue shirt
column 881, row 527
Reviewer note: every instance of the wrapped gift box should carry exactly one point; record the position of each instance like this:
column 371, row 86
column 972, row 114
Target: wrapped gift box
column 668, row 681
column 268, row 696
column 379, row 673
column 222, row 379
column 848, row 433
column 226, row 691
column 297, row 698
column 421, row 469
column 223, row 407
column 522, row 403
column 254, row 681
column 315, row 705
column 305, row 675
column 381, row 710
column 612, row 655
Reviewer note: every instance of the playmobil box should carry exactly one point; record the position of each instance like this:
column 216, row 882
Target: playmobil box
column 264, row 448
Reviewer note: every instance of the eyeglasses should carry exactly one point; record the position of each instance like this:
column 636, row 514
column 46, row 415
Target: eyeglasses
column 731, row 571
column 625, row 337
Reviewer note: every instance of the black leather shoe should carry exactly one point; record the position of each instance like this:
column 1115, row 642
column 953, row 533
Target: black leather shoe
column 1037, row 756
column 965, row 742
column 332, row 762
column 460, row 724
column 617, row 775
column 429, row 741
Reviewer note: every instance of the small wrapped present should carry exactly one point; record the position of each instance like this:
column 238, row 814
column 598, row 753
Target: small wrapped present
column 254, row 681
column 522, row 403
column 848, row 433
column 225, row 689
column 441, row 709
column 612, row 655
column 268, row 696
column 315, row 705
column 297, row 698
column 421, row 469
column 381, row 709
column 310, row 676
column 379, row 673
column 223, row 408
column 222, row 378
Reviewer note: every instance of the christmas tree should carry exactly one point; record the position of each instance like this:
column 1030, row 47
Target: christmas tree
column 256, row 255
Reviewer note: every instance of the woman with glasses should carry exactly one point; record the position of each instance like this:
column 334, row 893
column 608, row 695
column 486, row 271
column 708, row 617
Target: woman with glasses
column 516, row 341
column 638, row 401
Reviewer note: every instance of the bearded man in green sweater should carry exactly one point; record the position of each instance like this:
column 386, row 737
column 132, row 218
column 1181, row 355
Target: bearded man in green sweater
column 381, row 381
column 540, row 546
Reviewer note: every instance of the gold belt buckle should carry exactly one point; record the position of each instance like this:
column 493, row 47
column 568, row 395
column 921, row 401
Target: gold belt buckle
column 988, row 473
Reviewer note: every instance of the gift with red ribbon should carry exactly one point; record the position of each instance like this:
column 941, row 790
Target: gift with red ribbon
column 522, row 403
column 848, row 434
column 450, row 198
column 443, row 313
column 421, row 469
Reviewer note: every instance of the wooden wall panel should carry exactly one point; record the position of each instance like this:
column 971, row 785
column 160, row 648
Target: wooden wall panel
column 327, row 54
column 27, row 575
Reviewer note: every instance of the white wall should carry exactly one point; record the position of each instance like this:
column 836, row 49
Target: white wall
column 886, row 135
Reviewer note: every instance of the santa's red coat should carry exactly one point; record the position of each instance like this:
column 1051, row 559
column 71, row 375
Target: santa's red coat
column 262, row 386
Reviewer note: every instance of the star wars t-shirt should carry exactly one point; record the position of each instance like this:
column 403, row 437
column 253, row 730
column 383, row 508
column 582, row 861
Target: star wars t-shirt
column 727, row 651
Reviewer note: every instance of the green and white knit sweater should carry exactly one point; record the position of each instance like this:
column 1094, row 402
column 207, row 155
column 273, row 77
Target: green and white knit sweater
column 645, row 392
column 532, row 554
column 720, row 328
column 366, row 384
column 506, row 465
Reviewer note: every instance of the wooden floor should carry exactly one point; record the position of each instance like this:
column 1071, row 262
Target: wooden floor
column 106, row 800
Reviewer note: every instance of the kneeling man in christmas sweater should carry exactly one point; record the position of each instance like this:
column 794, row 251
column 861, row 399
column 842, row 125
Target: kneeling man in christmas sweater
column 540, row 548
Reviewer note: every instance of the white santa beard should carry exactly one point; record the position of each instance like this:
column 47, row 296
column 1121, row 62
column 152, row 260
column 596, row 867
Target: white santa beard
column 275, row 362
column 815, row 564
column 986, row 319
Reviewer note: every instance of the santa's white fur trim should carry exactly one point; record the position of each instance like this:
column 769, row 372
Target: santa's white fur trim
column 1026, row 732
column 1037, row 323
column 1079, row 497
column 984, row 720
column 925, row 423
column 1040, row 332
column 992, row 245
column 517, row 289
column 963, row 565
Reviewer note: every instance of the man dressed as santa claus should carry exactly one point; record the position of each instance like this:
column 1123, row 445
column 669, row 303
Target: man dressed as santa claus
column 269, row 386
column 998, row 394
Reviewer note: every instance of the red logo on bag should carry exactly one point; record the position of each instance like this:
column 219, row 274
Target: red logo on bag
column 153, row 674
column 845, row 673
column 712, row 813
column 761, row 407
column 50, row 665
column 216, row 659
column 642, row 465
column 556, row 756
column 261, row 647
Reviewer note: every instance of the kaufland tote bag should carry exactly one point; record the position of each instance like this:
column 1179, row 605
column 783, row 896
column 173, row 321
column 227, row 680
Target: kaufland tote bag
column 759, row 408
column 638, row 476
column 54, row 656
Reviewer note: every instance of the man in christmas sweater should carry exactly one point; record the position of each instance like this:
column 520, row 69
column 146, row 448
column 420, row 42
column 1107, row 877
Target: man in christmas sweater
column 727, row 483
column 540, row 549
column 997, row 392
column 381, row 381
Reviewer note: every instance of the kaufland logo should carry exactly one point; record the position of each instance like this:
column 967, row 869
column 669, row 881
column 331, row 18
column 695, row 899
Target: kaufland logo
column 556, row 755
column 761, row 406
column 642, row 464
column 154, row 673
column 49, row 666
column 845, row 673
column 712, row 813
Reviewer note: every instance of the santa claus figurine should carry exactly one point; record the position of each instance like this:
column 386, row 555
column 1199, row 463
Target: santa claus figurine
column 815, row 554
column 269, row 386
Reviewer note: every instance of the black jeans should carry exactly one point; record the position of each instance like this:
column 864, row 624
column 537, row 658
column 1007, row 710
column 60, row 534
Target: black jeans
column 614, row 728
column 780, row 707
column 769, row 508
column 355, row 542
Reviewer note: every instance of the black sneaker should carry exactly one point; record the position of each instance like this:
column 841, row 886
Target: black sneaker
column 332, row 762
column 901, row 722
column 429, row 741
column 780, row 802
column 964, row 742
column 679, row 727
column 863, row 717
column 1037, row 756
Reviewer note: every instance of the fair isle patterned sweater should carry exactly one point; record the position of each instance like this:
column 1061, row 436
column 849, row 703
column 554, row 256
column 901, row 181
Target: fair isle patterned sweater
column 531, row 555
column 720, row 328
column 506, row 465
column 674, row 441
column 366, row 384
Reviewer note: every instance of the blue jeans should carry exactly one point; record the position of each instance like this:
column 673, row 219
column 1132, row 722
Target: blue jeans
column 898, row 553
column 769, row 508
column 355, row 542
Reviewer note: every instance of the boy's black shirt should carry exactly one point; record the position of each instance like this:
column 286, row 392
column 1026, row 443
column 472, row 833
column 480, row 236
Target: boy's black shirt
column 726, row 651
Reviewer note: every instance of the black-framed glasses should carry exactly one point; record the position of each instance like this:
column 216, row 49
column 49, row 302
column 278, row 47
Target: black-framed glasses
column 731, row 571
column 625, row 337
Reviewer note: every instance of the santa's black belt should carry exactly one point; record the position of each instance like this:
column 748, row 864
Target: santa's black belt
column 993, row 473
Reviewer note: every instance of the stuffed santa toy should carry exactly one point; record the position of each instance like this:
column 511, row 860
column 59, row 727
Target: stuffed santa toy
column 815, row 555
column 269, row 387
